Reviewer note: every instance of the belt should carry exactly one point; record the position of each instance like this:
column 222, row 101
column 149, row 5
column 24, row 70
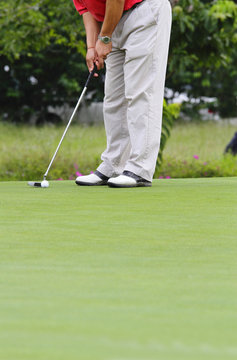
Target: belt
column 133, row 7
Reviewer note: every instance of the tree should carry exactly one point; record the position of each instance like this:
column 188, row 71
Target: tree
column 42, row 45
column 203, row 51
column 30, row 26
column 42, row 51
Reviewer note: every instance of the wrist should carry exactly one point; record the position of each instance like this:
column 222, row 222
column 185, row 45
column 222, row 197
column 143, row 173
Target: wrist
column 105, row 39
column 105, row 33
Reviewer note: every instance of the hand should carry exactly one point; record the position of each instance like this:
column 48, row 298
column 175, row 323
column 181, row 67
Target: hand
column 102, row 50
column 90, row 59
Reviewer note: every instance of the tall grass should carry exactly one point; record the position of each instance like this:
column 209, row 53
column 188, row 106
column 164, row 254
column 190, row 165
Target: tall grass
column 197, row 150
column 193, row 150
column 206, row 139
column 25, row 152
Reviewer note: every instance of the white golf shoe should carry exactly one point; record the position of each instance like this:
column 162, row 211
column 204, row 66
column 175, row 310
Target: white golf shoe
column 94, row 179
column 128, row 180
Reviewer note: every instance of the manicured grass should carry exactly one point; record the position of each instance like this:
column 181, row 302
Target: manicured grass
column 119, row 274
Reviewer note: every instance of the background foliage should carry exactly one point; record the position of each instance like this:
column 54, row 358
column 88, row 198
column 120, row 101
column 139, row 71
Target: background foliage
column 42, row 47
column 25, row 151
column 204, row 52
column 42, row 55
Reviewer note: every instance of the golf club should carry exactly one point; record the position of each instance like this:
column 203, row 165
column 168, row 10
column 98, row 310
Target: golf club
column 45, row 183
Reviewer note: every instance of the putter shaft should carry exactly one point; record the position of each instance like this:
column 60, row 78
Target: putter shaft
column 71, row 118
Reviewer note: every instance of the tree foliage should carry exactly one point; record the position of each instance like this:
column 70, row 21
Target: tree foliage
column 42, row 45
column 203, row 48
column 203, row 35
column 42, row 51
column 30, row 26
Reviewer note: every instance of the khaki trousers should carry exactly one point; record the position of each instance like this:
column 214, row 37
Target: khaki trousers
column 134, row 89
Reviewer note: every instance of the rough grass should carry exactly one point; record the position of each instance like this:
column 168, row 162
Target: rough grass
column 196, row 150
column 119, row 274
column 205, row 139
column 25, row 152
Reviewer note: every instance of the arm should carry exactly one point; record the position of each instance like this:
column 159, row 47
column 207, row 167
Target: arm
column 113, row 13
column 92, row 28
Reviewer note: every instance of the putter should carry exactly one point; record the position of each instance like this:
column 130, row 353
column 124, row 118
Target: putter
column 45, row 183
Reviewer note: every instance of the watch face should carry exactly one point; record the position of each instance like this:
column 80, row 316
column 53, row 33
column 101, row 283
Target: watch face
column 105, row 39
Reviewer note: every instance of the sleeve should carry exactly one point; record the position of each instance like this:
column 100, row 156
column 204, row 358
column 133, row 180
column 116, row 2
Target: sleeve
column 80, row 6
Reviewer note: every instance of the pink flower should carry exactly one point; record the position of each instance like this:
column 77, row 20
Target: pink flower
column 168, row 177
column 92, row 172
column 196, row 157
column 78, row 173
column 161, row 177
column 59, row 179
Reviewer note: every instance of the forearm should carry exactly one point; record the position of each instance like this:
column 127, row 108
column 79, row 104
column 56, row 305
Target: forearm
column 92, row 28
column 113, row 13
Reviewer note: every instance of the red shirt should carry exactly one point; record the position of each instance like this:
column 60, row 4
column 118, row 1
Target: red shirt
column 97, row 7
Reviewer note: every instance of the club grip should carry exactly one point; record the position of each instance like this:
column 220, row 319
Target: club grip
column 91, row 75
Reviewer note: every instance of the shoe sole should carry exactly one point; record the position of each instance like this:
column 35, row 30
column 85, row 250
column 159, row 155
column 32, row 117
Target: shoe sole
column 128, row 186
column 90, row 184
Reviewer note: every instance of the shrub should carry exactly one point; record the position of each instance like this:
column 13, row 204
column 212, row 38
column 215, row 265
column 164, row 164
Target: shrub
column 170, row 113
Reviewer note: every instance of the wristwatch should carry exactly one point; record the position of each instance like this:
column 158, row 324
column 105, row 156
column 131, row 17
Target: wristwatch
column 105, row 39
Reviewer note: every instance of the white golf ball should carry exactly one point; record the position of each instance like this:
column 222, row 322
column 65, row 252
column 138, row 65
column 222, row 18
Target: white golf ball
column 45, row 184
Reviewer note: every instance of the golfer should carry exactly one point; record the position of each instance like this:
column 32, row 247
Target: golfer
column 132, row 38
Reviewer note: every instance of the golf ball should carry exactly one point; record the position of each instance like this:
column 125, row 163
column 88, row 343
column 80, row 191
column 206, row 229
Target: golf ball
column 45, row 184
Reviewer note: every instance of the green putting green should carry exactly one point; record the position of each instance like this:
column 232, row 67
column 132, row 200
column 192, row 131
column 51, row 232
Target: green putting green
column 94, row 273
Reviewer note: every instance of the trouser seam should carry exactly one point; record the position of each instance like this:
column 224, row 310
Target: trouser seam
column 146, row 153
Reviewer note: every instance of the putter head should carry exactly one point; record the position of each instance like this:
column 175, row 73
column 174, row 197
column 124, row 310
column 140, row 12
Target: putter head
column 34, row 184
column 42, row 184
